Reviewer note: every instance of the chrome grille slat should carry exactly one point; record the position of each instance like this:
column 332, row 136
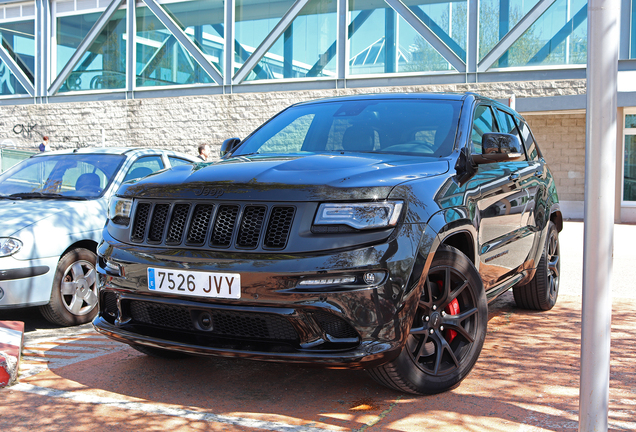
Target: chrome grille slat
column 212, row 226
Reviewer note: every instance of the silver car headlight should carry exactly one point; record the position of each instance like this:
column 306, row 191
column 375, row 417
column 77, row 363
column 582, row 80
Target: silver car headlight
column 119, row 210
column 361, row 216
column 9, row 246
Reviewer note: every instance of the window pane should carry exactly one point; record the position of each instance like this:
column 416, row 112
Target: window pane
column 306, row 49
column 483, row 122
column 380, row 41
column 103, row 66
column 630, row 121
column 9, row 85
column 161, row 60
column 448, row 20
column 144, row 166
column 252, row 26
column 558, row 37
column 496, row 19
column 629, row 180
column 202, row 21
column 18, row 39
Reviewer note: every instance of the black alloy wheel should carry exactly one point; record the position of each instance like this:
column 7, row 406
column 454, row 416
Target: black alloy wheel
column 542, row 291
column 448, row 331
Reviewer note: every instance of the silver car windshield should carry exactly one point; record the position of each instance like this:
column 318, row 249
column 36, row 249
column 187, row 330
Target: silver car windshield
column 422, row 127
column 66, row 176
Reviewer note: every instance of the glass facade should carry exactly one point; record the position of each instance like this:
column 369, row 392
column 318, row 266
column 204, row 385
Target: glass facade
column 161, row 59
column 103, row 65
column 307, row 48
column 17, row 34
column 629, row 170
column 203, row 22
column 379, row 41
column 558, row 37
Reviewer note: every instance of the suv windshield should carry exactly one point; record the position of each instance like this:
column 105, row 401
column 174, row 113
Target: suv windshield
column 413, row 126
column 74, row 176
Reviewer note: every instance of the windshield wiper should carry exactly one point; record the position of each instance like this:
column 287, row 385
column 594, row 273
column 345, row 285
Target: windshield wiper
column 42, row 195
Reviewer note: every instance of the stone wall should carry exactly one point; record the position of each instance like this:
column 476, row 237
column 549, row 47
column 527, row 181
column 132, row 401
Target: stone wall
column 182, row 123
column 561, row 138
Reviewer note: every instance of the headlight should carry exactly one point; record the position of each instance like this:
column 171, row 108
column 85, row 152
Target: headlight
column 360, row 215
column 119, row 210
column 9, row 246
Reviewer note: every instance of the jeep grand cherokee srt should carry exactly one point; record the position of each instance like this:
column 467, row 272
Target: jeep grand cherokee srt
column 361, row 232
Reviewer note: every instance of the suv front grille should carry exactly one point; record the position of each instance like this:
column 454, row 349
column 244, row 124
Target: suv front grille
column 223, row 226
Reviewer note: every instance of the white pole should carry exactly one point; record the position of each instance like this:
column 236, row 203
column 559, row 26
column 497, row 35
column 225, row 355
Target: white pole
column 600, row 169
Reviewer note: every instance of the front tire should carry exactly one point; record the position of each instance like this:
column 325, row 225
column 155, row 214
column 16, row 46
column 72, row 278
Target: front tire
column 74, row 292
column 542, row 291
column 448, row 332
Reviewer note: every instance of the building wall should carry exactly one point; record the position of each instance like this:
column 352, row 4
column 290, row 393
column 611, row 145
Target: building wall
column 561, row 138
column 182, row 123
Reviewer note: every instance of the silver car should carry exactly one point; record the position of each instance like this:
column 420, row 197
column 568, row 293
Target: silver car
column 53, row 207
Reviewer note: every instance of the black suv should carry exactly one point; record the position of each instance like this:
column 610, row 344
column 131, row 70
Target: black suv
column 361, row 232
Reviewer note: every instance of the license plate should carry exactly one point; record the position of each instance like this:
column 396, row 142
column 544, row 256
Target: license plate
column 195, row 283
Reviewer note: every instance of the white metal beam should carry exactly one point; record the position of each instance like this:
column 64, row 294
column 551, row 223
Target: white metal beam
column 514, row 34
column 269, row 40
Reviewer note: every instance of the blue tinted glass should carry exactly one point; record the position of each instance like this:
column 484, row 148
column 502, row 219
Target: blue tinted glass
column 558, row 37
column 629, row 180
column 447, row 20
column 9, row 85
column 496, row 19
column 103, row 66
column 380, row 41
column 18, row 39
column 306, row 49
column 161, row 59
column 202, row 22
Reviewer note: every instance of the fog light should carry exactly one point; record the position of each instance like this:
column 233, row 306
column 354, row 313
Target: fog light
column 369, row 278
column 1, row 293
column 328, row 281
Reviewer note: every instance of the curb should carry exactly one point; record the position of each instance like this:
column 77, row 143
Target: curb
column 11, row 339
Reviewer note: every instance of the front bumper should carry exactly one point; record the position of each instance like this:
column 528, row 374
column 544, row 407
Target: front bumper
column 275, row 319
column 26, row 282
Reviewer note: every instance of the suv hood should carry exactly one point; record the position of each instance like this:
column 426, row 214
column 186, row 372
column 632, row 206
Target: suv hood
column 357, row 176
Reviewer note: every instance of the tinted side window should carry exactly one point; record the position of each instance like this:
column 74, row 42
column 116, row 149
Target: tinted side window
column 483, row 122
column 528, row 140
column 144, row 166
column 507, row 124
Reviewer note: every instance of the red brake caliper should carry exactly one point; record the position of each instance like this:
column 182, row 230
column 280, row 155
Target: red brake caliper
column 451, row 309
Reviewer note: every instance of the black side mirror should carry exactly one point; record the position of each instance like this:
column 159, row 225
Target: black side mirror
column 498, row 147
column 229, row 145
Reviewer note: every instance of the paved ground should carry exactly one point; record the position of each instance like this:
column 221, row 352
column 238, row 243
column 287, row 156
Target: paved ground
column 525, row 380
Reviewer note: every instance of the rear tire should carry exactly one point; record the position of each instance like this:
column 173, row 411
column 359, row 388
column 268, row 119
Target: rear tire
column 74, row 291
column 448, row 332
column 542, row 291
